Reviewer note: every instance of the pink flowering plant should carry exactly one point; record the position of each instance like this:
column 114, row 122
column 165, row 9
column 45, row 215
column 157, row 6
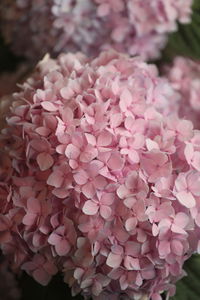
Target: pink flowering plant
column 131, row 26
column 183, row 74
column 97, row 180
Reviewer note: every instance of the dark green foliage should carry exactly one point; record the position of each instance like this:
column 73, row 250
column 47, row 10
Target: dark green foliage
column 56, row 290
column 189, row 287
column 186, row 41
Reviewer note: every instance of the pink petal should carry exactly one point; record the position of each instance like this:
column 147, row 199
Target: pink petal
column 194, row 182
column 41, row 276
column 181, row 220
column 62, row 248
column 88, row 190
column 45, row 161
column 185, row 128
column 61, row 192
column 33, row 205
column 107, row 198
column 104, row 139
column 186, row 199
column 115, row 162
column 125, row 99
column 61, row 149
column 115, row 120
column 151, row 145
column 54, row 239
column 114, row 260
column 130, row 201
column 131, row 224
column 164, row 248
column 181, row 183
column 156, row 296
column 148, row 274
column 72, row 152
column 99, row 182
column 117, row 249
column 38, row 239
column 129, row 122
column 105, row 211
column 115, row 274
column 88, row 155
column 81, row 177
column 196, row 161
column 67, row 114
column 29, row 219
column 189, row 152
column 155, row 230
column 66, row 92
column 131, row 263
column 134, row 156
column 91, row 139
column 177, row 247
column 123, row 282
column 48, row 106
column 122, row 191
column 177, row 229
column 50, row 268
column 43, row 131
column 97, row 288
column 132, row 248
column 78, row 273
column 90, row 208
column 56, row 179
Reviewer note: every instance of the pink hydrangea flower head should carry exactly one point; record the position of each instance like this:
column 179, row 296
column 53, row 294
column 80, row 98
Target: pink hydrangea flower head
column 184, row 77
column 97, row 180
column 130, row 26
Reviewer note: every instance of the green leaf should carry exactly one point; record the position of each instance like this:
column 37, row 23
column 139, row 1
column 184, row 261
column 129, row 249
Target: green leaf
column 186, row 41
column 189, row 287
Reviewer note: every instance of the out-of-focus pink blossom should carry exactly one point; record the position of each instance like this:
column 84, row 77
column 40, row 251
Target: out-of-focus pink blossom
column 130, row 26
column 184, row 77
column 99, row 178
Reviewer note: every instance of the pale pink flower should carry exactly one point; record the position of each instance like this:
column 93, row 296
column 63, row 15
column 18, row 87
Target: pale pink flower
column 99, row 177
column 131, row 26
column 184, row 77
column 187, row 188
column 63, row 237
column 41, row 268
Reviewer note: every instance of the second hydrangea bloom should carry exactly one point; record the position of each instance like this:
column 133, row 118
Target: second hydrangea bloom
column 131, row 26
column 183, row 74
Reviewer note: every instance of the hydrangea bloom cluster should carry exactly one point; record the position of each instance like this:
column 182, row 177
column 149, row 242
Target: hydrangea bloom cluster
column 184, row 75
column 96, row 182
column 131, row 26
column 8, row 285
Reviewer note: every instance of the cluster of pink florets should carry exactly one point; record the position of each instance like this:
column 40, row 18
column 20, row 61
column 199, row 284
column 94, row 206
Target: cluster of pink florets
column 184, row 76
column 96, row 182
column 131, row 26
